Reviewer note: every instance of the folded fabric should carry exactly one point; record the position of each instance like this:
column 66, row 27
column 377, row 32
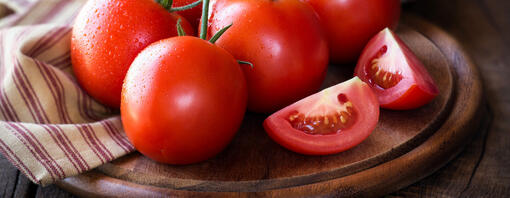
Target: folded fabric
column 49, row 127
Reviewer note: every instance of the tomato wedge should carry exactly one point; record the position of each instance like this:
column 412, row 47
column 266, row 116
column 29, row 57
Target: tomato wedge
column 331, row 121
column 395, row 74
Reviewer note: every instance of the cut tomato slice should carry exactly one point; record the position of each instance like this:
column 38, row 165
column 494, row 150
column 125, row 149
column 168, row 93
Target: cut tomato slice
column 395, row 74
column 331, row 121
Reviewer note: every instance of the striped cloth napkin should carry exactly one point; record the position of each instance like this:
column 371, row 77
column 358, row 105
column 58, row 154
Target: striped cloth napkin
column 49, row 127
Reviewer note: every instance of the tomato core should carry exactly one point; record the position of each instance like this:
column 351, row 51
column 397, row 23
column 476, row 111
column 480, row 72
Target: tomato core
column 381, row 72
column 324, row 123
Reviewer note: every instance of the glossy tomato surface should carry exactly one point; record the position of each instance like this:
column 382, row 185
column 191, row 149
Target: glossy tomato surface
column 397, row 76
column 183, row 100
column 349, row 24
column 284, row 41
column 108, row 34
column 192, row 15
column 331, row 121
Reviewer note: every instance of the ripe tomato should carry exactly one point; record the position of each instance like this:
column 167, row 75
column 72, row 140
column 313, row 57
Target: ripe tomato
column 349, row 24
column 398, row 78
column 108, row 34
column 284, row 41
column 192, row 15
column 328, row 122
column 183, row 100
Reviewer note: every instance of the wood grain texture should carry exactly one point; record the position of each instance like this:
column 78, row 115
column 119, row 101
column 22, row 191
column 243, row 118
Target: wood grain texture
column 254, row 166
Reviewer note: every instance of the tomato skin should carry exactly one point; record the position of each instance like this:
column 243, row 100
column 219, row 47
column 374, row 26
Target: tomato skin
column 183, row 100
column 417, row 87
column 192, row 15
column 365, row 103
column 107, row 36
column 290, row 54
column 349, row 24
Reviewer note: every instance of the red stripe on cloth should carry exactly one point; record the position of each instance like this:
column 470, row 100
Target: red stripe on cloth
column 61, row 32
column 19, row 88
column 64, row 63
column 73, row 150
column 60, row 58
column 25, row 89
column 82, row 103
column 51, row 35
column 53, row 76
column 57, row 94
column 87, row 106
column 57, row 138
column 13, row 158
column 112, row 135
column 56, row 9
column 119, row 136
column 91, row 143
column 7, row 107
column 38, row 155
column 106, row 151
column 39, row 41
column 33, row 93
column 26, row 93
column 46, row 155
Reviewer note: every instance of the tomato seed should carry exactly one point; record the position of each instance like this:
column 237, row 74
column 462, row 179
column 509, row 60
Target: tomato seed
column 383, row 79
column 327, row 124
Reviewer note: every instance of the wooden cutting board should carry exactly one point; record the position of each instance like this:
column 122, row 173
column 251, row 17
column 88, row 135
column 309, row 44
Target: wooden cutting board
column 405, row 147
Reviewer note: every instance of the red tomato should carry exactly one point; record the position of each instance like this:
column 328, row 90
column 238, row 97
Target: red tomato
column 108, row 34
column 284, row 41
column 192, row 15
column 328, row 122
column 349, row 24
column 183, row 100
column 398, row 78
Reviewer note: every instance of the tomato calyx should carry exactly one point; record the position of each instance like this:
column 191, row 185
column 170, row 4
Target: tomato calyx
column 203, row 31
column 167, row 4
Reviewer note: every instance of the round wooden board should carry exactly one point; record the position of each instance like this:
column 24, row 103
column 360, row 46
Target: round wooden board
column 405, row 147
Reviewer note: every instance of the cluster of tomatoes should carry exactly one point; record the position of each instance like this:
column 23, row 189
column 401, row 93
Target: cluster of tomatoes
column 183, row 98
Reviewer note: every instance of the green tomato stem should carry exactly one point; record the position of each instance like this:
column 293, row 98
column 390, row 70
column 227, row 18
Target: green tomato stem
column 205, row 15
column 180, row 31
column 245, row 63
column 219, row 33
column 167, row 4
column 189, row 6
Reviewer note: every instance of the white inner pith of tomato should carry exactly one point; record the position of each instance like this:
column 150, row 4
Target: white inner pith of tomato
column 329, row 115
column 383, row 70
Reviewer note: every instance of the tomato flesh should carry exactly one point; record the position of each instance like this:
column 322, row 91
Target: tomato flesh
column 396, row 75
column 325, row 119
column 380, row 73
column 328, row 122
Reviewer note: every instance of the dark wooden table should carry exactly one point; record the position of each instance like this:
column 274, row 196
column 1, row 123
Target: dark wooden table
column 483, row 168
